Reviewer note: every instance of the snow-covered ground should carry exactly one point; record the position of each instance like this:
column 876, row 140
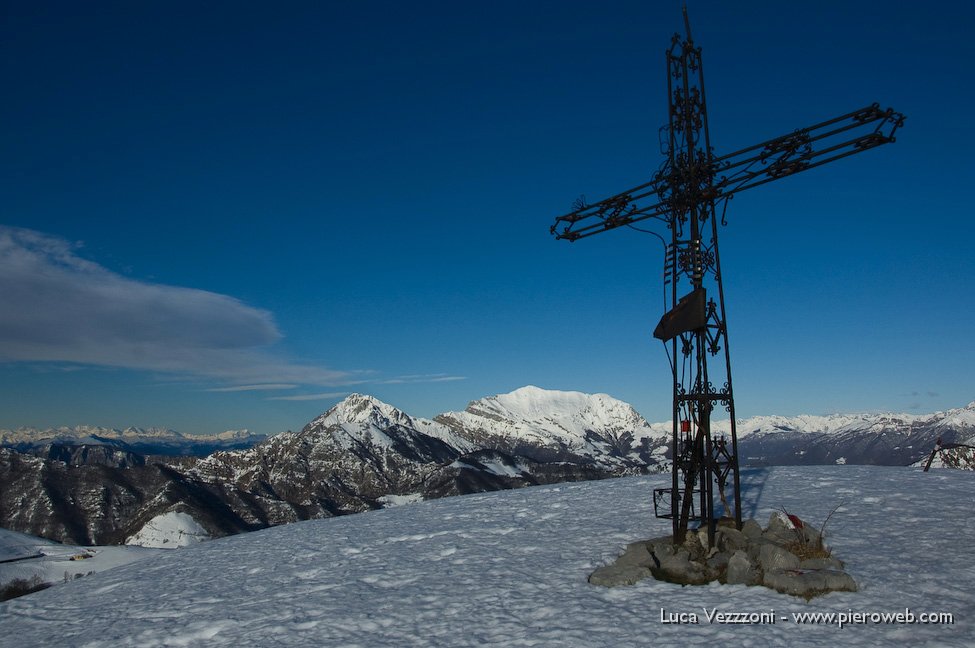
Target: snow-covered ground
column 24, row 557
column 509, row 569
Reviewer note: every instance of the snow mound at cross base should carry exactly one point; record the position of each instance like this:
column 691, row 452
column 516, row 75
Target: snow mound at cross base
column 509, row 569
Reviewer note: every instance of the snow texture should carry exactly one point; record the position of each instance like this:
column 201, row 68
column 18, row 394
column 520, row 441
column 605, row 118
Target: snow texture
column 510, row 568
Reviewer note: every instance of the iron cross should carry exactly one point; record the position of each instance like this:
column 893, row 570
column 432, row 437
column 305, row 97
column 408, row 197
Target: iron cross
column 684, row 195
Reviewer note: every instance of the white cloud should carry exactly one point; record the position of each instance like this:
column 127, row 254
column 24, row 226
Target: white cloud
column 58, row 307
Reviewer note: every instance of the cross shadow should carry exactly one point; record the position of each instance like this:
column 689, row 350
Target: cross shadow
column 752, row 482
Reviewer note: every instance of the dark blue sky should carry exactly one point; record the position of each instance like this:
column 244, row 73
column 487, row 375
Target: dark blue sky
column 317, row 198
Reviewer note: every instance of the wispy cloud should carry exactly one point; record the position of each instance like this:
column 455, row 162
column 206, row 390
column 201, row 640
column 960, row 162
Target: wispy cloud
column 309, row 397
column 916, row 397
column 399, row 380
column 246, row 388
column 420, row 378
column 60, row 307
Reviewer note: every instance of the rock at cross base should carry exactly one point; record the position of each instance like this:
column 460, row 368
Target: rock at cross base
column 752, row 556
column 741, row 570
column 631, row 567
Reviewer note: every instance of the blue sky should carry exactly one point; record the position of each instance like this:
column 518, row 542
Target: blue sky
column 232, row 215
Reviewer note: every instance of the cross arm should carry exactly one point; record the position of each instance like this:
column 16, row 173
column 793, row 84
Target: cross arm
column 804, row 149
column 721, row 177
column 636, row 204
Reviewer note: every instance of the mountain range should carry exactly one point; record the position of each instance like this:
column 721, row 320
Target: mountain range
column 363, row 454
column 145, row 441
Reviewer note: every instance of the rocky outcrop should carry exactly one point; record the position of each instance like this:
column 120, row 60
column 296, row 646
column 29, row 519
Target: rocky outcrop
column 633, row 566
column 788, row 556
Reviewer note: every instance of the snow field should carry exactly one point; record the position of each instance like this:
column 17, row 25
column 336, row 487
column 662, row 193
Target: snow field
column 510, row 568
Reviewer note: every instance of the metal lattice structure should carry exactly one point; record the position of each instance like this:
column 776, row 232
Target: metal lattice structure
column 684, row 195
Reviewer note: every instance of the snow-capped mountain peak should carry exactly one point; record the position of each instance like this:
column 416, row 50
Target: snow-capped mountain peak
column 362, row 420
column 553, row 425
column 549, row 415
column 364, row 409
column 962, row 418
column 533, row 403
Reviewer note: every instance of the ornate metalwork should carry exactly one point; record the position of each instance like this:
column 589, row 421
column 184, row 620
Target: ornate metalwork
column 731, row 174
column 683, row 195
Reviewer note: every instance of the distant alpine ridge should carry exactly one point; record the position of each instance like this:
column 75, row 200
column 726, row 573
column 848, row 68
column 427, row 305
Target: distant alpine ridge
column 146, row 441
column 83, row 487
column 876, row 439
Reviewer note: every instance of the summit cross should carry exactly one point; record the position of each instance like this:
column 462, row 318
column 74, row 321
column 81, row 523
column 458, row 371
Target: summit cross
column 684, row 195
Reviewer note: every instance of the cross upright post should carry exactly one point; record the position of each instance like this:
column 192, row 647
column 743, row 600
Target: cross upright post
column 683, row 195
column 699, row 457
